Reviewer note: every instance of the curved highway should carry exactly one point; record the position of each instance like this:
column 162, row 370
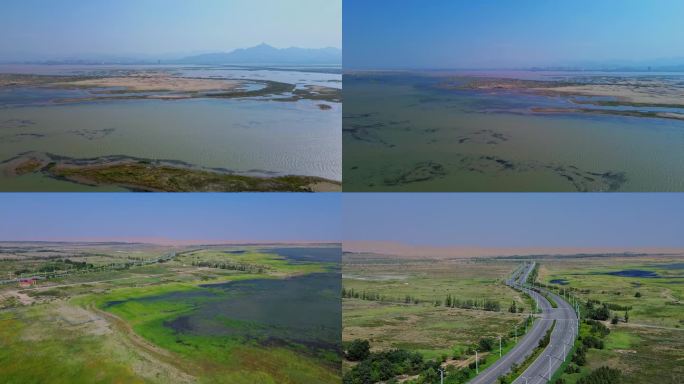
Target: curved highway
column 562, row 337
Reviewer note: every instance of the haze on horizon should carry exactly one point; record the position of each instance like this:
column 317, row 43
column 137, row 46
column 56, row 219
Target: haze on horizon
column 510, row 220
column 160, row 29
column 512, row 34
column 170, row 218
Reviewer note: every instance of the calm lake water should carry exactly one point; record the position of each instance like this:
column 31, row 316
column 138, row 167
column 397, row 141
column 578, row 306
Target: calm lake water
column 308, row 255
column 403, row 133
column 303, row 310
column 248, row 134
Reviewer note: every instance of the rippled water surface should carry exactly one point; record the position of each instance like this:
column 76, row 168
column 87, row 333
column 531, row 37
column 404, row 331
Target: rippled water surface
column 246, row 134
column 402, row 132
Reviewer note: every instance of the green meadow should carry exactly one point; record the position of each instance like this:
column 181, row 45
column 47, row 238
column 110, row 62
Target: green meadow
column 648, row 346
column 159, row 323
column 424, row 324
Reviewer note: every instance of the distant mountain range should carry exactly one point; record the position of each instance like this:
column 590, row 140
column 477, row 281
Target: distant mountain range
column 266, row 54
column 263, row 54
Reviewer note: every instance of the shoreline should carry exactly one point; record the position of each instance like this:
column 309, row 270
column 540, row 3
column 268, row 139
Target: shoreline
column 165, row 86
column 148, row 175
column 612, row 94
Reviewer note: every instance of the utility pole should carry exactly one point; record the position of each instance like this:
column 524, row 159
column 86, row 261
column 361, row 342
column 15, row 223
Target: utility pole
column 563, row 351
column 499, row 345
column 579, row 318
column 441, row 375
column 516, row 333
column 477, row 368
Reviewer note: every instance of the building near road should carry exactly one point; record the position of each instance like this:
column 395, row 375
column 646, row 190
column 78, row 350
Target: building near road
column 28, row 282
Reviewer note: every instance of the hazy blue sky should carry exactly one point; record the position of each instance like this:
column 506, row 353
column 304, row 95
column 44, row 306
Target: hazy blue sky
column 516, row 220
column 200, row 216
column 165, row 26
column 509, row 33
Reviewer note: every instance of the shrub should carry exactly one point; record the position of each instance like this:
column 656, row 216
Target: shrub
column 597, row 328
column 358, row 350
column 572, row 368
column 486, row 343
column 603, row 375
column 592, row 342
column 580, row 356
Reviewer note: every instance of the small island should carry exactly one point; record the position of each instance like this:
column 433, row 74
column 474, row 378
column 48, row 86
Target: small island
column 147, row 175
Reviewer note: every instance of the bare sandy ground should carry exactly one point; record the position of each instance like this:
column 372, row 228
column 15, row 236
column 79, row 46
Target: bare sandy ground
column 155, row 82
column 23, row 298
column 412, row 251
column 325, row 186
column 629, row 93
column 626, row 91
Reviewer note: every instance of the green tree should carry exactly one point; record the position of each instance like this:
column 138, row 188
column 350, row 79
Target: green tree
column 430, row 376
column 486, row 343
column 513, row 308
column 358, row 350
column 603, row 375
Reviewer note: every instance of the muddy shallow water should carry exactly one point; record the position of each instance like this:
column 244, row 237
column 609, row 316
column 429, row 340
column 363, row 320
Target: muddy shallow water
column 303, row 310
column 403, row 133
column 242, row 134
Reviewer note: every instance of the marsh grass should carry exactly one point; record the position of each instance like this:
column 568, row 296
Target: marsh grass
column 35, row 347
column 647, row 349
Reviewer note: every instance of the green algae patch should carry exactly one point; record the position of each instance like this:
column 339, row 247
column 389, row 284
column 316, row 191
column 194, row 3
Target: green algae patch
column 277, row 321
column 222, row 329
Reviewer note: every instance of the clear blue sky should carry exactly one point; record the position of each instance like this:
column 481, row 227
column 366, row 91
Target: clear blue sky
column 516, row 220
column 75, row 27
column 199, row 216
column 509, row 33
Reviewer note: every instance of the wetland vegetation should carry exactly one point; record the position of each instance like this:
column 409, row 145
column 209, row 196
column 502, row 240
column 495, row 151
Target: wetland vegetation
column 245, row 128
column 157, row 175
column 420, row 315
column 140, row 313
column 633, row 328
column 403, row 319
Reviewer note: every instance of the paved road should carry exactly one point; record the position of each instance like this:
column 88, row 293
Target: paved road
column 563, row 331
column 562, row 338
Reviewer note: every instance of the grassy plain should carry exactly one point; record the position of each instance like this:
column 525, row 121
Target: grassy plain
column 114, row 326
column 660, row 302
column 432, row 330
column 648, row 347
